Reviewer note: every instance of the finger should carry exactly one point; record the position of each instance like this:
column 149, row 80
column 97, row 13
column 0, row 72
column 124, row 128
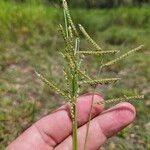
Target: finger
column 55, row 127
column 58, row 125
column 102, row 127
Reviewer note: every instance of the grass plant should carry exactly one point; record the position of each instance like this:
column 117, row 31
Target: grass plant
column 75, row 77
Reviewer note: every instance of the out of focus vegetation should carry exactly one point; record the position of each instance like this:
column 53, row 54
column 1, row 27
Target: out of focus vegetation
column 89, row 3
column 29, row 39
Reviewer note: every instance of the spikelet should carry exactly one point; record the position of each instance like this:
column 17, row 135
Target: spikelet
column 82, row 73
column 63, row 33
column 77, row 43
column 68, row 42
column 66, row 75
column 99, row 81
column 70, row 60
column 68, row 78
column 71, row 111
column 66, row 21
column 98, row 52
column 122, row 56
column 53, row 86
column 121, row 99
column 82, row 56
column 70, row 33
column 87, row 36
column 65, row 6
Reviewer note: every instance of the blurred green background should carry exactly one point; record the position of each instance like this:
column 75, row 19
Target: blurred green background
column 29, row 40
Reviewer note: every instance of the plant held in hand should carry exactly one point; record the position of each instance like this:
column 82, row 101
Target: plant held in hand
column 74, row 76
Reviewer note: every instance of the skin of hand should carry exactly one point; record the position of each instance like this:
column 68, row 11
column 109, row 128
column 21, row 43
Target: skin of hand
column 53, row 132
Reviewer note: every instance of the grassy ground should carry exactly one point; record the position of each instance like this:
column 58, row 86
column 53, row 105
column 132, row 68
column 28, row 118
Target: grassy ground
column 29, row 39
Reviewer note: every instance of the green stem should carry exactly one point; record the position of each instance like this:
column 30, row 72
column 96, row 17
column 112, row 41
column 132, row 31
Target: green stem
column 75, row 88
column 74, row 121
column 75, row 140
column 89, row 121
column 90, row 115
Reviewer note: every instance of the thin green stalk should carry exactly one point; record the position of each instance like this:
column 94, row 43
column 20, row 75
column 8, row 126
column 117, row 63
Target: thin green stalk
column 90, row 115
column 74, row 119
column 33, row 111
column 75, row 89
column 89, row 121
column 74, row 126
column 73, row 67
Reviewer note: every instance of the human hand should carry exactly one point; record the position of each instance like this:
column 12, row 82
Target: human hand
column 54, row 131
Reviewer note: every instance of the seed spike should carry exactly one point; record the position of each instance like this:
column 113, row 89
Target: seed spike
column 70, row 60
column 66, row 9
column 63, row 33
column 95, row 45
column 98, row 52
column 77, row 43
column 121, row 99
column 52, row 85
column 99, row 81
column 83, row 74
column 66, row 75
column 68, row 42
column 70, row 32
column 122, row 56
column 66, row 22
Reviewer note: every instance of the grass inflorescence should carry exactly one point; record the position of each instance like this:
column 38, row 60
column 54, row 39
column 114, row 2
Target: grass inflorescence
column 74, row 76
